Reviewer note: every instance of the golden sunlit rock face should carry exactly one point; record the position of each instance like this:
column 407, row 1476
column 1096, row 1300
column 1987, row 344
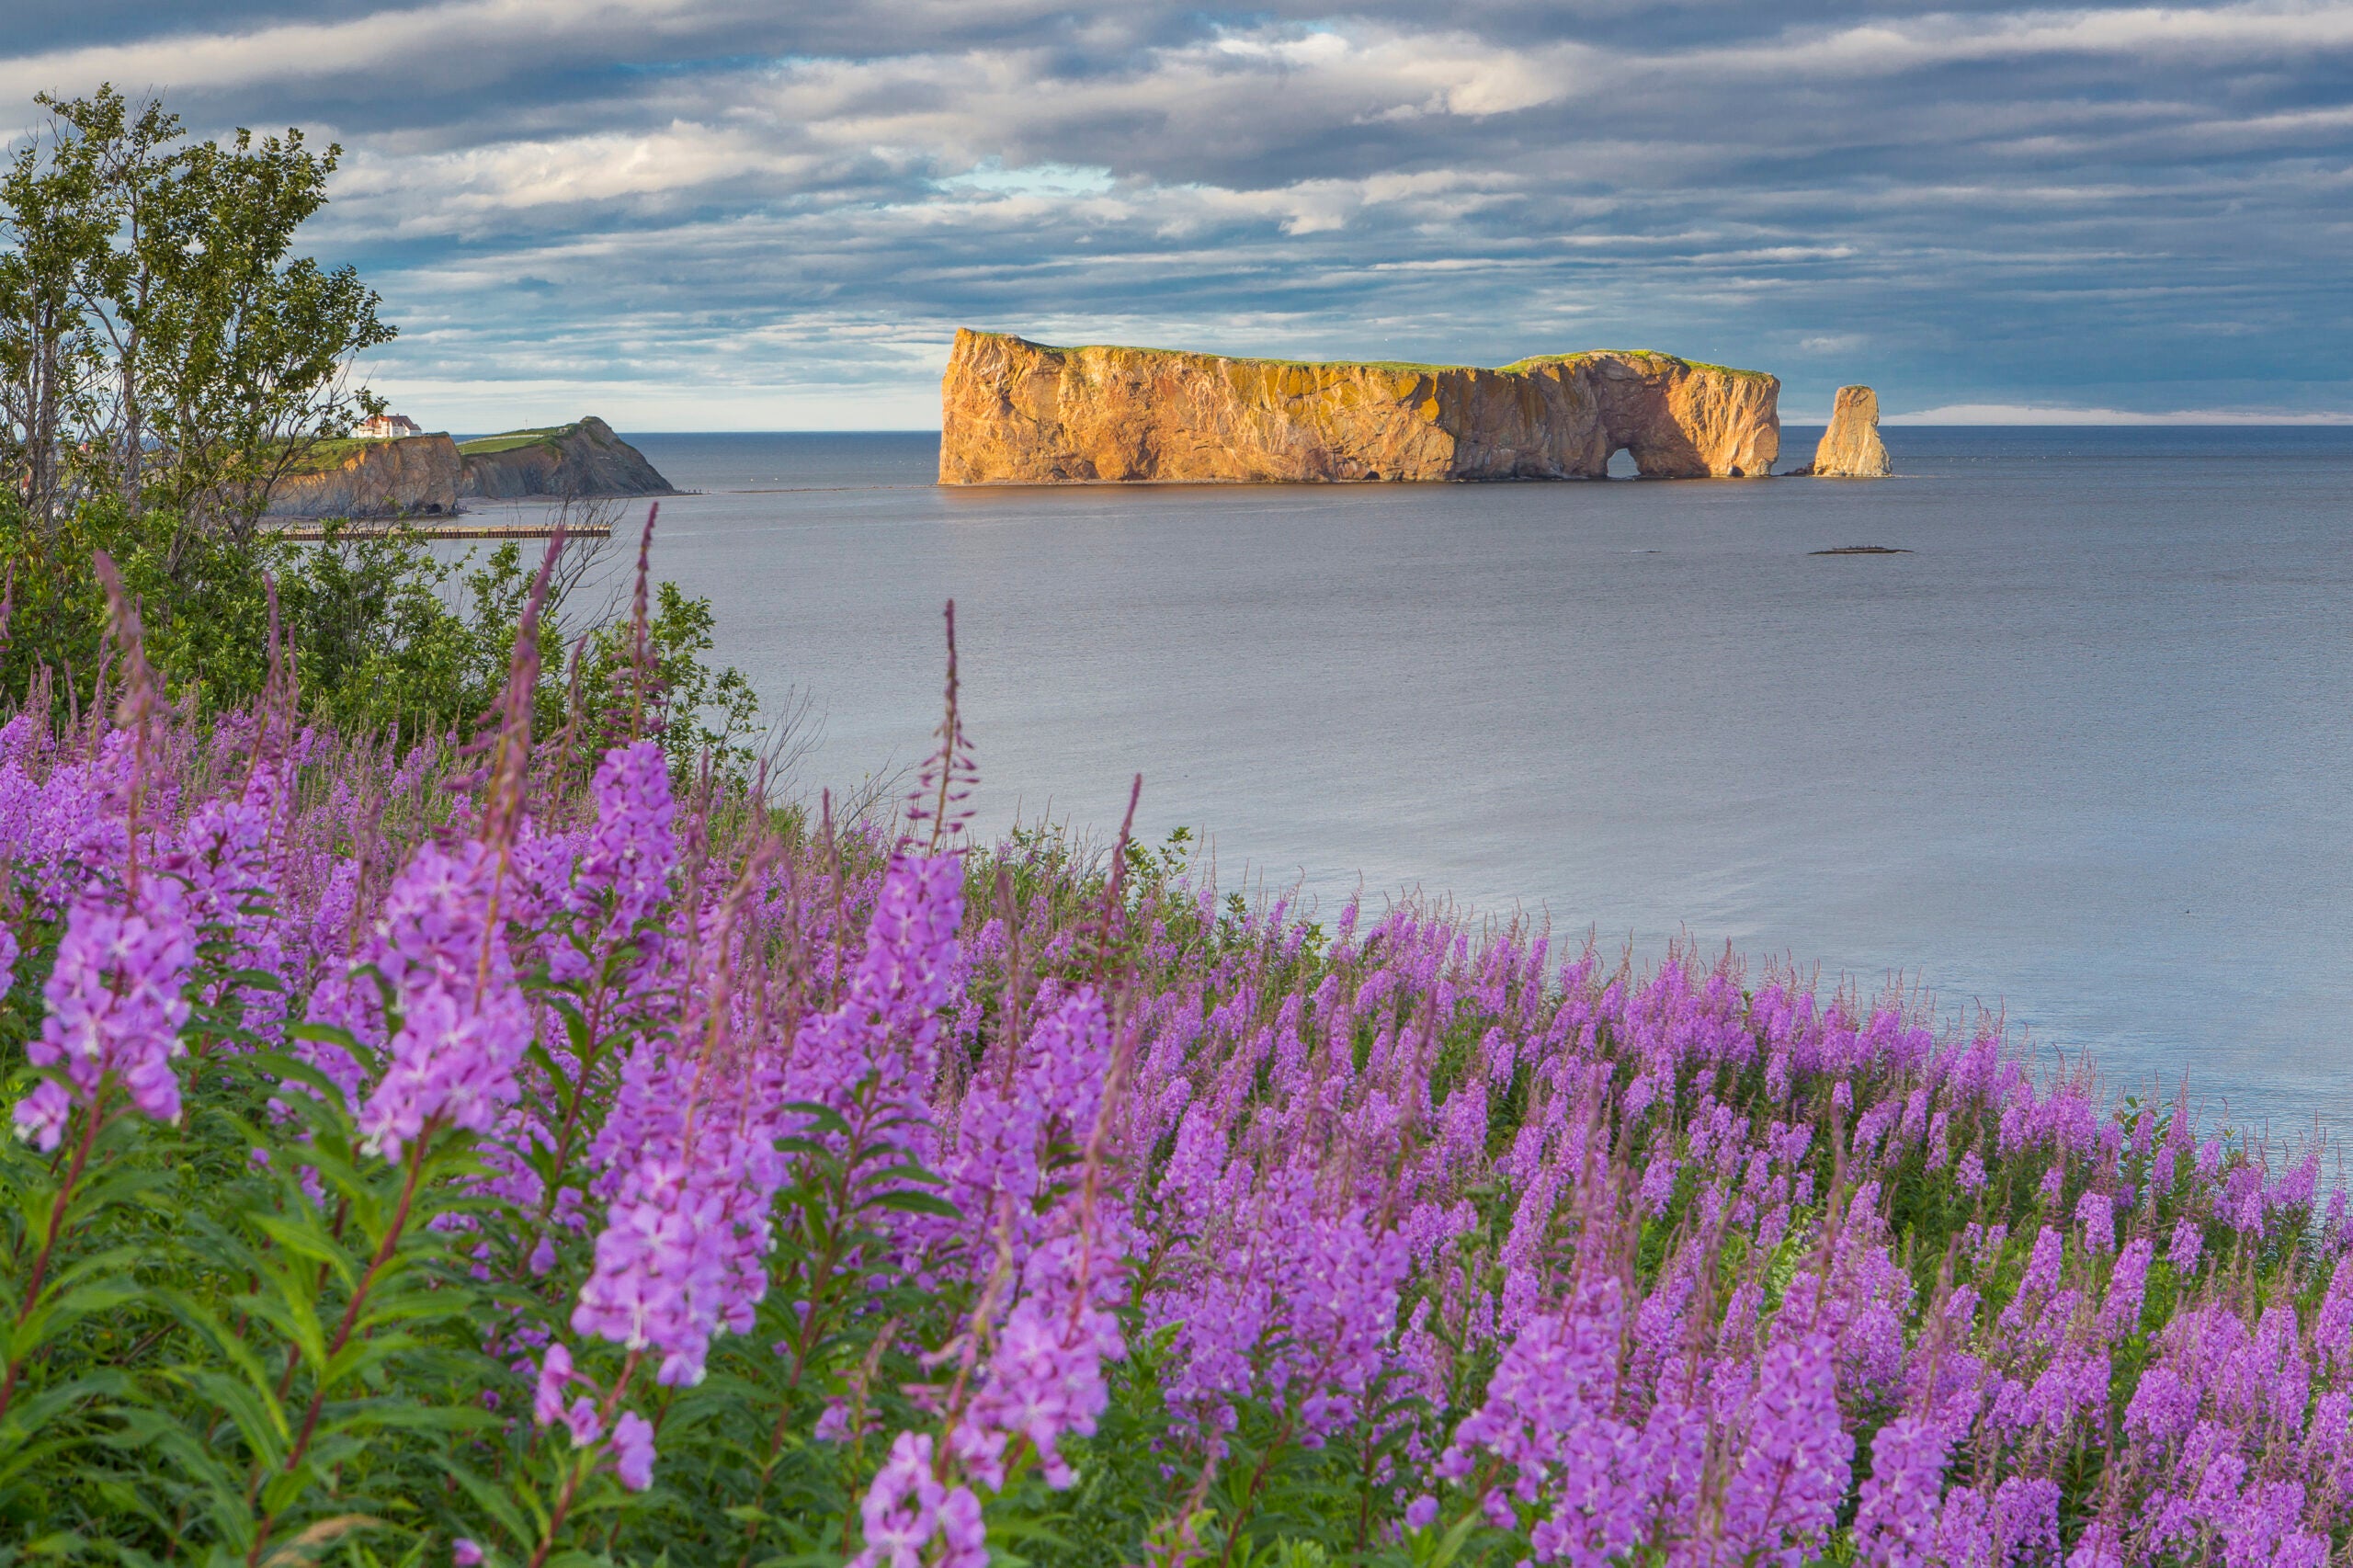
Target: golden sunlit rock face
column 1850, row 448
column 1015, row 412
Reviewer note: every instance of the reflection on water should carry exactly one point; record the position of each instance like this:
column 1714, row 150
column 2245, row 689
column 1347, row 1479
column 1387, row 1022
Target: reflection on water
column 2083, row 754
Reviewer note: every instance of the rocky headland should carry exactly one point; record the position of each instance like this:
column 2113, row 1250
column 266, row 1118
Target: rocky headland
column 1850, row 448
column 415, row 476
column 580, row 460
column 1015, row 412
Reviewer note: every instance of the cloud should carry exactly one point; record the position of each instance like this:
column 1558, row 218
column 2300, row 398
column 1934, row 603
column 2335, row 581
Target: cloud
column 2048, row 212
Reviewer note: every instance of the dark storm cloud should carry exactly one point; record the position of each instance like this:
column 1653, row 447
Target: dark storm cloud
column 731, row 211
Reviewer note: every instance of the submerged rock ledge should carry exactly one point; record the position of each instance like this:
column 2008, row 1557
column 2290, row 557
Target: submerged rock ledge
column 1015, row 412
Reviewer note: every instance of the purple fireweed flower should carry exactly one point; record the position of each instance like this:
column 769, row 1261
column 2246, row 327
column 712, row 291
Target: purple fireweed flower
column 2127, row 1285
column 679, row 1256
column 1045, row 1379
column 2163, row 1406
column 1045, row 1373
column 547, row 1397
column 2096, row 1212
column 888, row 1025
column 630, row 856
column 691, row 1166
column 633, row 1450
column 41, row 1117
column 2041, row 1279
column 2182, row 1250
column 223, row 859
column 463, row 1025
column 1965, row 1531
column 2026, row 1519
column 613, row 877
column 1420, row 1513
column 907, row 1507
column 1008, row 1120
column 116, row 1006
column 1896, row 1521
column 2100, row 1546
column 1341, row 1293
column 2242, row 1206
column 465, row 1553
column 1550, row 1416
column 1795, row 1459
column 449, row 1064
column 583, row 1421
column 2333, row 1324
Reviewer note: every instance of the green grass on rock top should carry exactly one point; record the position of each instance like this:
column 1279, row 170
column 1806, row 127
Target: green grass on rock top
column 1517, row 367
column 508, row 442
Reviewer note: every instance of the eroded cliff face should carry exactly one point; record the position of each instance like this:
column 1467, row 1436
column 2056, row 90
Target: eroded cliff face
column 577, row 460
column 415, row 476
column 1850, row 448
column 1015, row 412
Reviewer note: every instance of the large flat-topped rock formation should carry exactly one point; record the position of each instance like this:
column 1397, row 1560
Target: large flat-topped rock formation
column 1015, row 412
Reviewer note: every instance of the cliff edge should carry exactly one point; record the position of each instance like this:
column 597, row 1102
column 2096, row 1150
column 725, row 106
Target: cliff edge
column 415, row 476
column 1015, row 412
column 577, row 460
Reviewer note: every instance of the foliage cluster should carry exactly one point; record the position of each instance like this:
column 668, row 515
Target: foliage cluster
column 386, row 633
column 497, row 1165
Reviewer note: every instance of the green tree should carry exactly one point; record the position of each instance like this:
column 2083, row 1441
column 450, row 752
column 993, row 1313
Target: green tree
column 159, row 338
column 53, row 227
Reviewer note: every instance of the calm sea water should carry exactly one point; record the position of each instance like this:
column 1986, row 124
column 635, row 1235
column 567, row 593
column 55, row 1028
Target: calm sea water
column 2085, row 754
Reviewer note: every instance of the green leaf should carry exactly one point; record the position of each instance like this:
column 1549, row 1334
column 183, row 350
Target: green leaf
column 905, row 1172
column 1450, row 1546
column 824, row 1118
column 255, row 1413
column 230, row 1345
column 404, row 1412
column 305, row 1239
column 915, row 1203
column 284, row 1487
column 498, row 1502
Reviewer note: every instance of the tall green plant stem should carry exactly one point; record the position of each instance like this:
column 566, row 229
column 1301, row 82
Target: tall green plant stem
column 384, row 1250
column 81, row 1160
column 821, row 1280
column 571, row 1125
column 582, row 1469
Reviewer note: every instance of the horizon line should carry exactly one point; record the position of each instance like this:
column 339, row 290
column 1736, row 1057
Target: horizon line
column 1972, row 417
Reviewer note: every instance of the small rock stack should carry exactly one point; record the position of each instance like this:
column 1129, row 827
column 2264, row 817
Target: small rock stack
column 1851, row 449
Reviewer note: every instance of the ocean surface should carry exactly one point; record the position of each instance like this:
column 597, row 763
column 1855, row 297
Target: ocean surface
column 2083, row 756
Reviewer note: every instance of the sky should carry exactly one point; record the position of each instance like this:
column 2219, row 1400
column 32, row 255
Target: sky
column 772, row 214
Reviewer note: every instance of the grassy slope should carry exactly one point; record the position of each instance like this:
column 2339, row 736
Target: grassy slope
column 326, row 456
column 514, row 438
